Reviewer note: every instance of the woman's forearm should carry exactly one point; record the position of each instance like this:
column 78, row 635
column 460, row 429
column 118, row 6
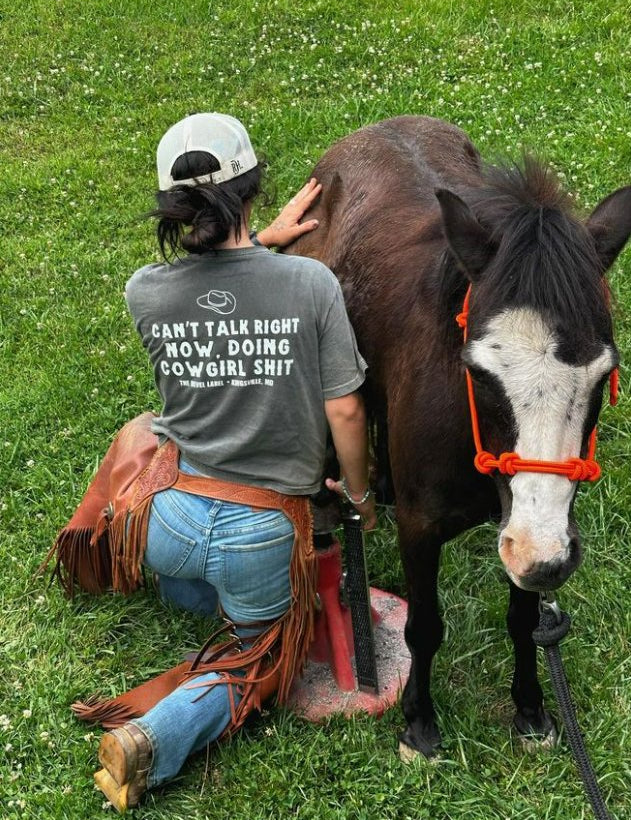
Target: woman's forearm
column 347, row 420
column 348, row 428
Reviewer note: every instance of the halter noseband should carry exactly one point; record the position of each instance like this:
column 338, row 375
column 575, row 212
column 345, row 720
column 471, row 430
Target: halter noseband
column 576, row 469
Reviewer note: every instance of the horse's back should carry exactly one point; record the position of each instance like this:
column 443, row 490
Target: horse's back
column 413, row 149
column 378, row 188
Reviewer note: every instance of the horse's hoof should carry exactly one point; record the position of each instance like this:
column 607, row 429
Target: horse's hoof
column 407, row 754
column 411, row 748
column 536, row 743
column 534, row 738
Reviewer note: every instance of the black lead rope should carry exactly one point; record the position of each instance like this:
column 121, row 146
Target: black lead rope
column 554, row 624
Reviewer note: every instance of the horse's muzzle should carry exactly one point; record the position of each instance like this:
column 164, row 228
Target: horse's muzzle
column 535, row 575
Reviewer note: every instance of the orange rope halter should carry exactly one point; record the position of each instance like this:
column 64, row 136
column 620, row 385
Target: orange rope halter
column 576, row 469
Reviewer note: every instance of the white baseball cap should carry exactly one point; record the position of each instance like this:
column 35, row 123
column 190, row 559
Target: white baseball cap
column 221, row 135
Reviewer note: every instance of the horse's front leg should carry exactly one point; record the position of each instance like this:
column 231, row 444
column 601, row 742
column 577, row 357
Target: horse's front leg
column 423, row 635
column 533, row 722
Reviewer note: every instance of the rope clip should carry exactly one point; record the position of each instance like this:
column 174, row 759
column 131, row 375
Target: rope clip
column 549, row 603
column 554, row 624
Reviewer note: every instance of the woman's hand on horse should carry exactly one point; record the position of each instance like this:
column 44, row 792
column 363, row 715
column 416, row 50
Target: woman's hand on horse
column 287, row 226
column 366, row 509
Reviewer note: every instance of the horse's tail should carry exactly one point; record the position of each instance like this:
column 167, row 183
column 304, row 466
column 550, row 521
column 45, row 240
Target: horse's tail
column 381, row 477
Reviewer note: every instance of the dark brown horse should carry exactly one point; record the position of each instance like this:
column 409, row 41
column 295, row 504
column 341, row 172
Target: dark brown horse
column 409, row 219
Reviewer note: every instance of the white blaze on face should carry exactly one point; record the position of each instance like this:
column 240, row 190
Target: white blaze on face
column 549, row 400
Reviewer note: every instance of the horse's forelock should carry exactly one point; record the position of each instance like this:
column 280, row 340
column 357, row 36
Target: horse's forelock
column 530, row 182
column 545, row 257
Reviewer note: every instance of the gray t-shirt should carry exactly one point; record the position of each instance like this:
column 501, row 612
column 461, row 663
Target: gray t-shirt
column 246, row 345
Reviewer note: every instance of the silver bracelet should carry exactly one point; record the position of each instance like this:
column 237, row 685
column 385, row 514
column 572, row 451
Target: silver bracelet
column 350, row 498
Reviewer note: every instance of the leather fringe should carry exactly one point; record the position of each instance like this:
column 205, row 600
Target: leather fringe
column 81, row 557
column 108, row 713
column 107, row 557
column 100, row 547
column 127, row 537
column 115, row 712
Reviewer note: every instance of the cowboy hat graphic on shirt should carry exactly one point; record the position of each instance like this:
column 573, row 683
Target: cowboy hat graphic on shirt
column 219, row 301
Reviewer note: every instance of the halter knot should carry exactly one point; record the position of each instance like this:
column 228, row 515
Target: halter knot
column 508, row 463
column 585, row 469
column 485, row 462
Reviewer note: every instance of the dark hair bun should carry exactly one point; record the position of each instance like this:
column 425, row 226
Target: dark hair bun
column 196, row 218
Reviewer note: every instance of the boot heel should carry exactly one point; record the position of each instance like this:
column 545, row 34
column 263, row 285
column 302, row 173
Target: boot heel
column 117, row 795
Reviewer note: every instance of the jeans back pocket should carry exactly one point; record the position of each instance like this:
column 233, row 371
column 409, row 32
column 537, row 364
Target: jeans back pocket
column 255, row 568
column 170, row 539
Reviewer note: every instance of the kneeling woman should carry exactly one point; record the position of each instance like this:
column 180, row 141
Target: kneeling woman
column 254, row 359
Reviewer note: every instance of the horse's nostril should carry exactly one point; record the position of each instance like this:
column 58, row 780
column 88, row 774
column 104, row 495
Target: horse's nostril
column 513, row 556
column 507, row 543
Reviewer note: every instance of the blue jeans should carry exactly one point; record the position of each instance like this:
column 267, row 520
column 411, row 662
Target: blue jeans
column 206, row 551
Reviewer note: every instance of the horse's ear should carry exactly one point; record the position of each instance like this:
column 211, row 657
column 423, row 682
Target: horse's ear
column 469, row 242
column 610, row 225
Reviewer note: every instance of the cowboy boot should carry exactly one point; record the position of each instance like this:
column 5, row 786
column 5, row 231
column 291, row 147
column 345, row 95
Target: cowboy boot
column 126, row 757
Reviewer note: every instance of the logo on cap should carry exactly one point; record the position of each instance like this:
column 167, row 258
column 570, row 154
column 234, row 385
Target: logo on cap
column 219, row 301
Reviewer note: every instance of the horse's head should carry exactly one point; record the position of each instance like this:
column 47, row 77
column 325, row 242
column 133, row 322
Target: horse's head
column 539, row 350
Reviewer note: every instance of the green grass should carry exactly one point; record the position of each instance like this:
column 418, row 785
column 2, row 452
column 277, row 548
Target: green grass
column 86, row 90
